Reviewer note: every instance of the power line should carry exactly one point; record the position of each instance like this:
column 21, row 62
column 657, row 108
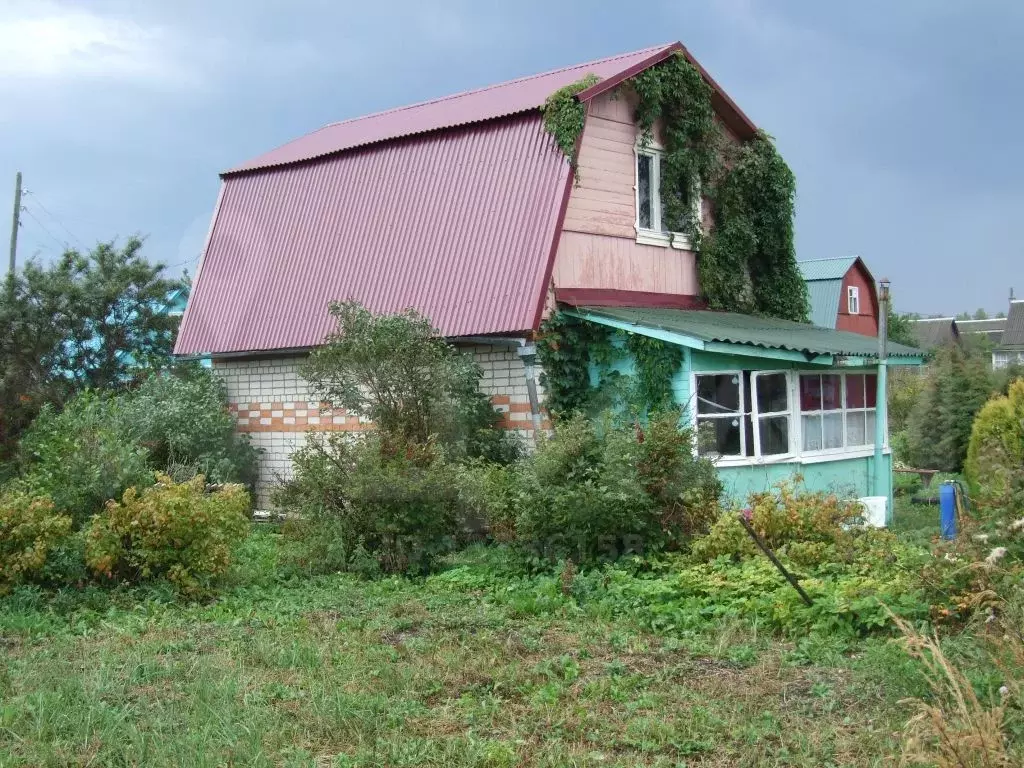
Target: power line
column 63, row 245
column 59, row 223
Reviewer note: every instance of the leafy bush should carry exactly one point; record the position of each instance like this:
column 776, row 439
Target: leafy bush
column 786, row 514
column 848, row 600
column 995, row 455
column 100, row 445
column 399, row 373
column 906, row 483
column 79, row 457
column 170, row 530
column 370, row 504
column 597, row 491
column 30, row 529
column 183, row 422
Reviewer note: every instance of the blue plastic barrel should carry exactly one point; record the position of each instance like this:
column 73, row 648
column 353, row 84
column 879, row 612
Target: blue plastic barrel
column 947, row 510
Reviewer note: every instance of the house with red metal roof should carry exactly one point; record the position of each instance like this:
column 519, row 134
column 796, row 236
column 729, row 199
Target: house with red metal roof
column 465, row 209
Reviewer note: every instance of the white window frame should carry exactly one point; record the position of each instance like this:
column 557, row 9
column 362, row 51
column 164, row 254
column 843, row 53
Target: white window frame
column 821, row 412
column 756, row 416
column 697, row 415
column 1000, row 359
column 853, row 300
column 846, row 448
column 655, row 235
column 795, row 415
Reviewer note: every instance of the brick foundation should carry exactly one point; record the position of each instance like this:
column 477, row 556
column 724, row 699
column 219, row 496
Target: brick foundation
column 272, row 404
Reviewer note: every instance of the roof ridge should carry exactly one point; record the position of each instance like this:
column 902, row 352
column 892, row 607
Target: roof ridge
column 827, row 258
column 492, row 86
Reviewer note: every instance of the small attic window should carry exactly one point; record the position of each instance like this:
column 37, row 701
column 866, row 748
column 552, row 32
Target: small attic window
column 853, row 300
column 650, row 224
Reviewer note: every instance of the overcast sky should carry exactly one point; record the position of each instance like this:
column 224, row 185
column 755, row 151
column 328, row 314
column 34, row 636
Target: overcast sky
column 900, row 119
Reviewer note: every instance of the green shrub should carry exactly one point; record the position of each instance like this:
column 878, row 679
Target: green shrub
column 995, row 454
column 370, row 499
column 786, row 514
column 182, row 421
column 398, row 372
column 101, row 444
column 906, row 484
column 489, row 496
column 174, row 531
column 30, row 529
column 80, row 458
column 598, row 491
column 684, row 488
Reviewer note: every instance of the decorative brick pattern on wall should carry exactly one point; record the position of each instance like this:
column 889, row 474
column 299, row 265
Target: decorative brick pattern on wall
column 272, row 404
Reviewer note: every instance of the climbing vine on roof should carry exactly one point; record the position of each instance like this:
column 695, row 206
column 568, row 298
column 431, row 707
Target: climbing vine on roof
column 564, row 116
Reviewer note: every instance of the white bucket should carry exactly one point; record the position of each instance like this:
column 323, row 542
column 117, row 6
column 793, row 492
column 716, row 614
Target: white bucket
column 874, row 510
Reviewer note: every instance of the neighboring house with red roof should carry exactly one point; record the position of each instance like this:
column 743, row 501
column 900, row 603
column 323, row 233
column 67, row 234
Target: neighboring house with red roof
column 842, row 294
column 465, row 209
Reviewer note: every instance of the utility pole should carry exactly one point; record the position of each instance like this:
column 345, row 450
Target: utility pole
column 15, row 223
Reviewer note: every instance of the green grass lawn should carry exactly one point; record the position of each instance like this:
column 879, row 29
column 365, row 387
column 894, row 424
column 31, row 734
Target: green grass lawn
column 340, row 672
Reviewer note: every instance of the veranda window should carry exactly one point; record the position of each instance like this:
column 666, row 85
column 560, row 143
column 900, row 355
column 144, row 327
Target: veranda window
column 837, row 411
column 743, row 414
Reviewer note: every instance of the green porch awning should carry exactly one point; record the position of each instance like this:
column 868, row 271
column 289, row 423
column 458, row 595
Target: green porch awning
column 732, row 333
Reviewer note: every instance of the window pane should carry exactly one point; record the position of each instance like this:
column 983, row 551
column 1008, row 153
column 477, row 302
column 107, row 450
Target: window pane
column 871, row 385
column 719, row 436
column 683, row 196
column 831, row 392
column 810, row 393
column 869, row 436
column 772, row 393
column 718, row 394
column 833, row 429
column 774, row 435
column 854, row 391
column 645, row 187
column 855, row 428
column 811, row 428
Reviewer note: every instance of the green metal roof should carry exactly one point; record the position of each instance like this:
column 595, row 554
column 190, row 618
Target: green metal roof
column 826, row 269
column 824, row 296
column 824, row 278
column 766, row 333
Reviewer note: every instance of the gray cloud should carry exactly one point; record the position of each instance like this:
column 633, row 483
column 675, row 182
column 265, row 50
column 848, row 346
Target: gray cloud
column 897, row 118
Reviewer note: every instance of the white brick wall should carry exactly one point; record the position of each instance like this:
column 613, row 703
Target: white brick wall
column 272, row 400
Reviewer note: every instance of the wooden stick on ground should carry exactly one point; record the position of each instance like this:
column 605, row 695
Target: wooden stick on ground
column 775, row 561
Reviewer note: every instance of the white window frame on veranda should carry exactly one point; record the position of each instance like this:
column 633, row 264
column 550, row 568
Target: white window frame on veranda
column 655, row 235
column 794, row 414
column 755, row 418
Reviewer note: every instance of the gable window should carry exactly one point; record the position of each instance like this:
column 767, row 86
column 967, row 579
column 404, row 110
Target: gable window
column 853, row 300
column 651, row 226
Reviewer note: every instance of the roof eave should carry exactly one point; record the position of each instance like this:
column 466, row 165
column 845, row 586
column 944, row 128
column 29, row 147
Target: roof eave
column 728, row 109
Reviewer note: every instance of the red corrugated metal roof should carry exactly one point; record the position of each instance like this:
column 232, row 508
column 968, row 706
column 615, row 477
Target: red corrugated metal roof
column 458, row 224
column 512, row 97
column 394, row 212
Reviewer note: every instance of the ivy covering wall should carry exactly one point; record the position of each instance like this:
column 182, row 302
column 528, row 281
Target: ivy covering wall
column 746, row 261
